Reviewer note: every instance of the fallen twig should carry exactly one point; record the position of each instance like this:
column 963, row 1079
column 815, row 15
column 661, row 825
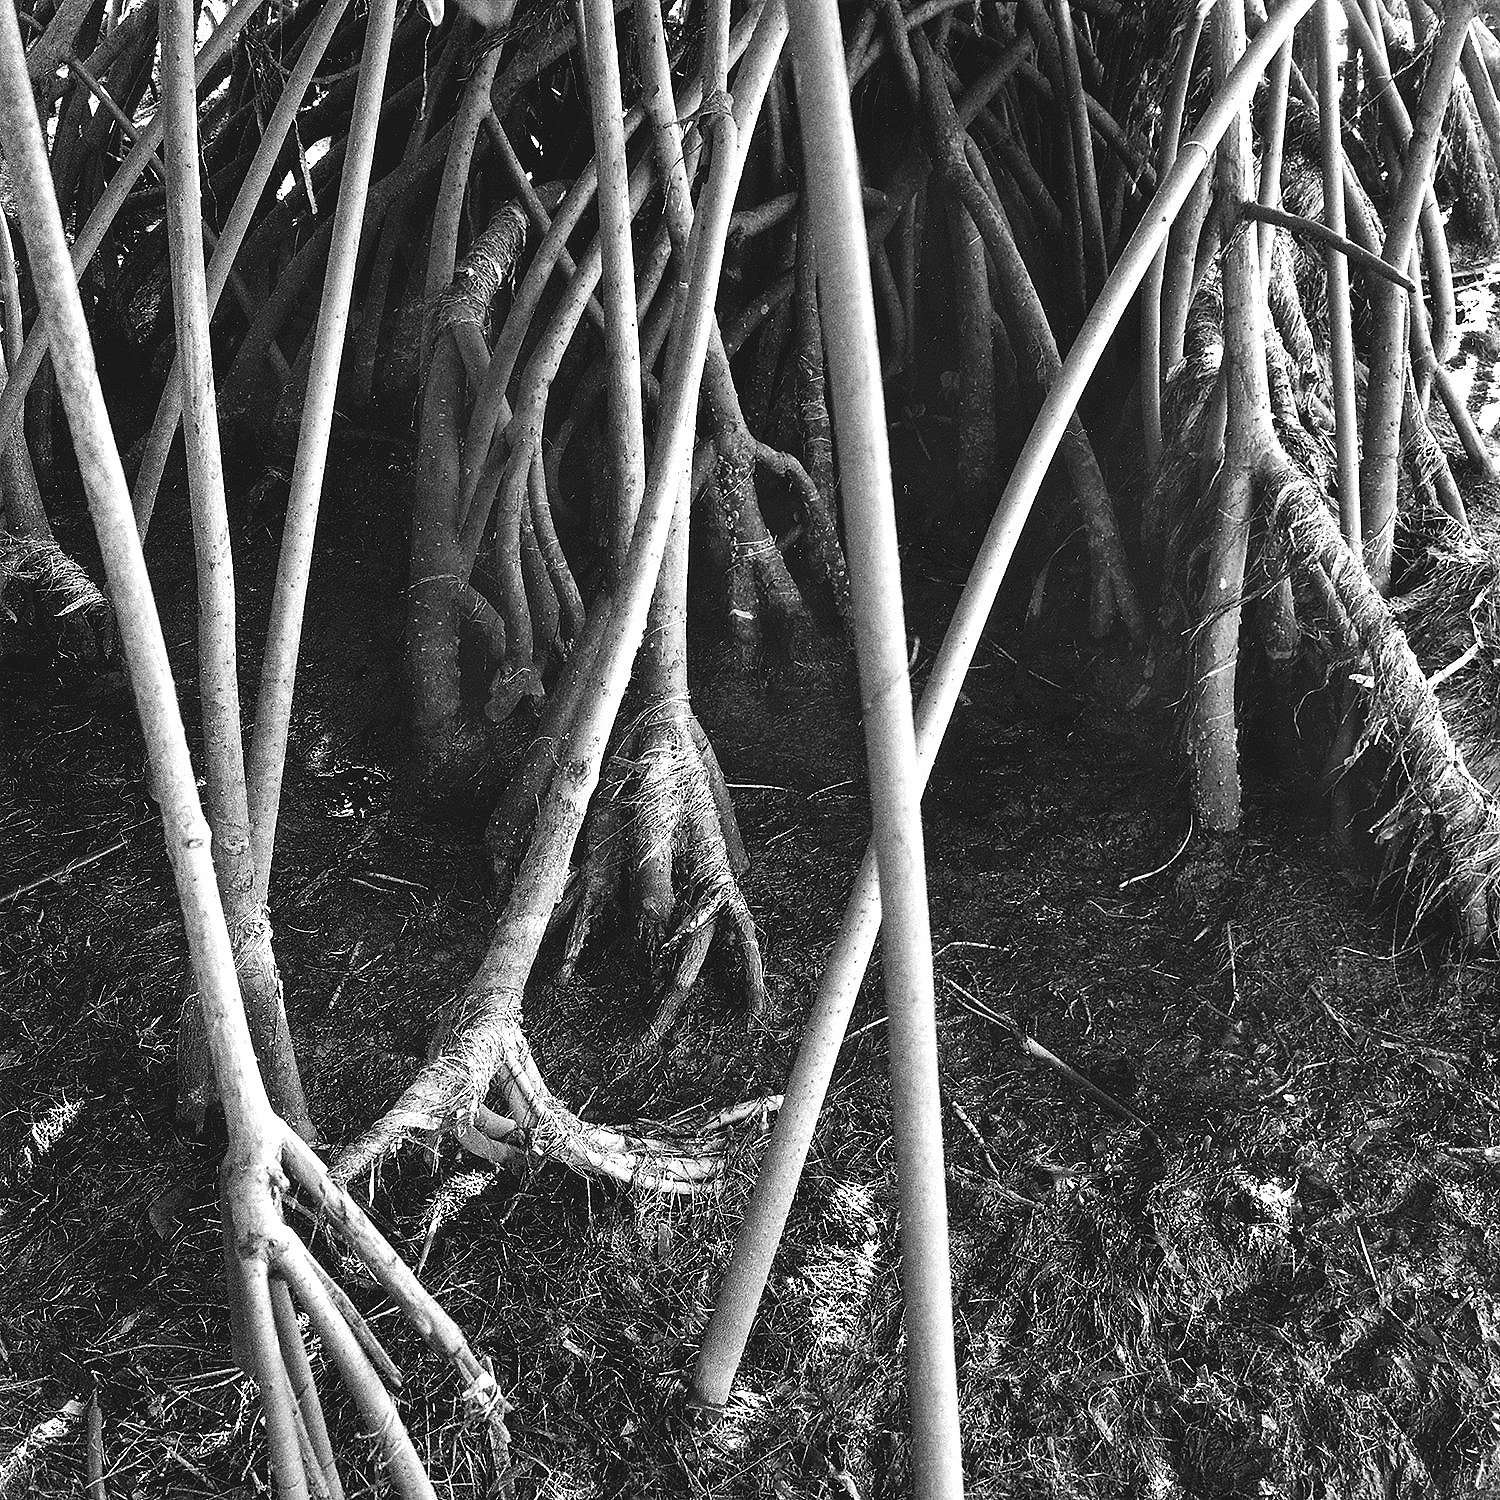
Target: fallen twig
column 1038, row 1053
column 1187, row 838
column 71, row 867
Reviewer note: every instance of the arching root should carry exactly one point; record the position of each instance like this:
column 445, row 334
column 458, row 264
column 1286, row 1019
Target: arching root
column 661, row 827
column 482, row 1044
column 272, row 1274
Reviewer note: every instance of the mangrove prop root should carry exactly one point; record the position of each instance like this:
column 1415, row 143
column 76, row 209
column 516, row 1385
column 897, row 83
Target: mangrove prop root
column 1403, row 708
column 264, row 1153
column 657, row 832
column 484, row 1042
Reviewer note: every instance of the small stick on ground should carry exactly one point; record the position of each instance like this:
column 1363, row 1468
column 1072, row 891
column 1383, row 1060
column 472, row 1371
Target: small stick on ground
column 62, row 872
column 1049, row 1059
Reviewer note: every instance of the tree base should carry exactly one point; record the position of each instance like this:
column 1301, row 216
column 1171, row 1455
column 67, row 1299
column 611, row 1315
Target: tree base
column 661, row 844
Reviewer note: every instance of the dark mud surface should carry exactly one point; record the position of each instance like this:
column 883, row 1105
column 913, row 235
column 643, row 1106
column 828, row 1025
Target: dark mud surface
column 1284, row 1286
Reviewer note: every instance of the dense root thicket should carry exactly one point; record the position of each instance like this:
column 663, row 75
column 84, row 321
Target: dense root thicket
column 1258, row 415
column 580, row 243
column 553, row 512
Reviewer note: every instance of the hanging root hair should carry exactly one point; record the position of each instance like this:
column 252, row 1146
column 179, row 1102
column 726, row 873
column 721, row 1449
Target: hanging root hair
column 1443, row 831
column 39, row 564
column 486, row 269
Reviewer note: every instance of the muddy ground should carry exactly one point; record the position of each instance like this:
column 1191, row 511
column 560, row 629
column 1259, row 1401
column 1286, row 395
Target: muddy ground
column 1284, row 1286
